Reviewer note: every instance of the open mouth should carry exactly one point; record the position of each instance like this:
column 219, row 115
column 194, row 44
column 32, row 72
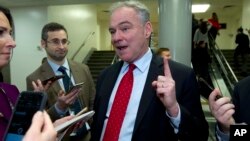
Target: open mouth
column 121, row 47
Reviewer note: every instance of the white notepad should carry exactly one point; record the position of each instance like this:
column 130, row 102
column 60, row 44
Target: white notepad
column 83, row 117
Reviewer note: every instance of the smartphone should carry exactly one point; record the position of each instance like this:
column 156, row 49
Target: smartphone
column 76, row 86
column 28, row 104
column 53, row 78
column 209, row 86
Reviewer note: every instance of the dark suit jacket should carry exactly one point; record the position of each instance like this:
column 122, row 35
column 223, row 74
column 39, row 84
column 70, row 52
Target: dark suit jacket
column 80, row 73
column 241, row 99
column 152, row 123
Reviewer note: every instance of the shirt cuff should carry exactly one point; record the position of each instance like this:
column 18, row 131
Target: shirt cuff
column 220, row 135
column 60, row 112
column 87, row 126
column 175, row 121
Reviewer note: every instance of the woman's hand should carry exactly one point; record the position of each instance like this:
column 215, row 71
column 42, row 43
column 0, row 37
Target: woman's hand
column 41, row 128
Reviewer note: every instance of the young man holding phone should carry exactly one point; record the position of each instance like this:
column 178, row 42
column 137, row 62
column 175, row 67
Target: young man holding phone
column 61, row 101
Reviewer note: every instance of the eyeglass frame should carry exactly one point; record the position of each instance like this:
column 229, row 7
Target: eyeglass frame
column 59, row 42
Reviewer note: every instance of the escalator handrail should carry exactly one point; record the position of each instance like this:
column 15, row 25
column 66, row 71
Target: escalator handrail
column 220, row 57
column 224, row 59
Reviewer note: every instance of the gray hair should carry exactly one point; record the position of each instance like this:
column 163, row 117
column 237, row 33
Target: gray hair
column 139, row 7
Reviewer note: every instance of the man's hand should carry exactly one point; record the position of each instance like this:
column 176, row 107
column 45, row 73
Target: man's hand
column 39, row 87
column 222, row 109
column 65, row 100
column 165, row 90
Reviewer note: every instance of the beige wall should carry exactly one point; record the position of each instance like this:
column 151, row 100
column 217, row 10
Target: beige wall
column 226, row 39
column 105, row 38
column 80, row 21
column 246, row 14
column 27, row 55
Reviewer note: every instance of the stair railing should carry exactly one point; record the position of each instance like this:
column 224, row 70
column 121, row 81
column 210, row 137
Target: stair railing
column 82, row 45
column 115, row 59
column 221, row 58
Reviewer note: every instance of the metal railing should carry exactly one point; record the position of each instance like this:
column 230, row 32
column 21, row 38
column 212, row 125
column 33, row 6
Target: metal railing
column 225, row 68
column 82, row 45
column 115, row 59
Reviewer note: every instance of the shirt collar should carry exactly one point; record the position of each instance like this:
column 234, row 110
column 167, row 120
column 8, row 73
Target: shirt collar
column 142, row 63
column 55, row 66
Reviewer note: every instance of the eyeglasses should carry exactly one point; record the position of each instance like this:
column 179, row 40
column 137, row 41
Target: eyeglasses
column 58, row 42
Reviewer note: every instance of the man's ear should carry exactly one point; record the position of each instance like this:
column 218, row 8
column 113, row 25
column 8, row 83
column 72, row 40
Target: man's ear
column 148, row 29
column 43, row 44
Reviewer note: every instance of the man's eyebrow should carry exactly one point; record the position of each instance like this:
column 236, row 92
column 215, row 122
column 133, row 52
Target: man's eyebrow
column 124, row 22
column 3, row 28
column 120, row 24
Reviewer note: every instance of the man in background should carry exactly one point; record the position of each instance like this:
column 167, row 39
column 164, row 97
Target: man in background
column 164, row 52
column 242, row 49
column 62, row 101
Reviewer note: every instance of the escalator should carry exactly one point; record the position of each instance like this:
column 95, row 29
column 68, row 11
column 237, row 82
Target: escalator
column 221, row 77
column 221, row 73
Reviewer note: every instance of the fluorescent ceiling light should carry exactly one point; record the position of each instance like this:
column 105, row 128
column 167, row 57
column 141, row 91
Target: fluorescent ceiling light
column 200, row 8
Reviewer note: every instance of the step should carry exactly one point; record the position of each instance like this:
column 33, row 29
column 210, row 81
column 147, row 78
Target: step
column 96, row 60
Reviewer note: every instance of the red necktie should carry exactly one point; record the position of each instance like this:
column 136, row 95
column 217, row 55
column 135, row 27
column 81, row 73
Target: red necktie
column 119, row 106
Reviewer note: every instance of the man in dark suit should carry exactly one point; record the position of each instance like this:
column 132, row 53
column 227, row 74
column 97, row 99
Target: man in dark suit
column 164, row 103
column 61, row 102
column 229, row 111
column 242, row 49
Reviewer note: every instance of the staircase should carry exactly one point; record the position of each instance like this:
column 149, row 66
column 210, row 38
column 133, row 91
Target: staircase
column 98, row 61
column 236, row 69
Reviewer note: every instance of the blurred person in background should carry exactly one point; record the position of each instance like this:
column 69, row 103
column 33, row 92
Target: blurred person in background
column 242, row 49
column 164, row 52
column 214, row 26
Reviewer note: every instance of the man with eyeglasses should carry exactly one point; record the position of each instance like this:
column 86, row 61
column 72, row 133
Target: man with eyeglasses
column 61, row 100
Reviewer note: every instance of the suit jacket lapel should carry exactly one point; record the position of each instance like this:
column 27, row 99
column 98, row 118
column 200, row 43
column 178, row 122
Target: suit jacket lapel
column 77, row 75
column 75, row 72
column 47, row 72
column 156, row 68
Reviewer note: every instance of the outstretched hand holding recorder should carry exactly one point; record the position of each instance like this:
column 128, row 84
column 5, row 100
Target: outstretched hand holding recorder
column 209, row 86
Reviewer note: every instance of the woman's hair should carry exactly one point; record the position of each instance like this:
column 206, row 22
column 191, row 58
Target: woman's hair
column 215, row 17
column 203, row 27
column 7, row 13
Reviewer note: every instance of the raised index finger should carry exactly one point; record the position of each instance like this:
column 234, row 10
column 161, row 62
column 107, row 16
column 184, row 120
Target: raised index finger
column 167, row 71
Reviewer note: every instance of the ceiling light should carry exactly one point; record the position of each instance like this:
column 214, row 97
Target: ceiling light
column 200, row 8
